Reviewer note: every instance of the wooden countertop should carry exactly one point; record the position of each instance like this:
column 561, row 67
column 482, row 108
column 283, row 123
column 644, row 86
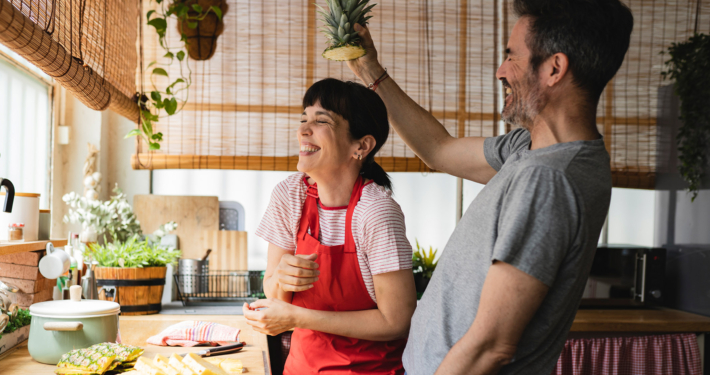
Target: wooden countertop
column 24, row 246
column 136, row 329
column 639, row 320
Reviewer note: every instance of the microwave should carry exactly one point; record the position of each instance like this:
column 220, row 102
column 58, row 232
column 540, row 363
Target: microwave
column 625, row 276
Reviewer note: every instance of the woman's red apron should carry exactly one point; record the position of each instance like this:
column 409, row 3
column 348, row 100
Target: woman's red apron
column 340, row 288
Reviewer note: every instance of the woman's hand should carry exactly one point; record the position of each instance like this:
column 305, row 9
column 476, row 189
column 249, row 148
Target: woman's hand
column 297, row 273
column 366, row 67
column 270, row 316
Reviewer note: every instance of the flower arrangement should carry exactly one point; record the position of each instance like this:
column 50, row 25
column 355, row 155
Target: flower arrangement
column 114, row 217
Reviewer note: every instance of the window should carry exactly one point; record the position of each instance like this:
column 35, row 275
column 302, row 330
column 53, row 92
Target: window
column 25, row 127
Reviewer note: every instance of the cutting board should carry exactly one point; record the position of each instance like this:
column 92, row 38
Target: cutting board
column 194, row 216
column 229, row 250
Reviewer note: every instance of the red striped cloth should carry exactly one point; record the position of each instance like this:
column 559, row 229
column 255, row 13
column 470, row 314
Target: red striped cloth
column 194, row 332
column 378, row 227
column 674, row 354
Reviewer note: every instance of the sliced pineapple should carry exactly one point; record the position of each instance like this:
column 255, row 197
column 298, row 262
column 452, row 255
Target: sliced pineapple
column 146, row 367
column 176, row 361
column 231, row 365
column 200, row 366
column 162, row 363
column 344, row 53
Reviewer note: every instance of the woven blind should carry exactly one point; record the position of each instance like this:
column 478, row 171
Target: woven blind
column 245, row 102
column 87, row 46
column 244, row 107
column 628, row 109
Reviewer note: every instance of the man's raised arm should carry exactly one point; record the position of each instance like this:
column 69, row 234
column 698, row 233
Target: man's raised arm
column 461, row 157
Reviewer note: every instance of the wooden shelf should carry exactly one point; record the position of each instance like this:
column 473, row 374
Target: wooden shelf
column 21, row 247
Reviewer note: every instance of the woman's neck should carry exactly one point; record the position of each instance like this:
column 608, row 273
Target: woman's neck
column 334, row 189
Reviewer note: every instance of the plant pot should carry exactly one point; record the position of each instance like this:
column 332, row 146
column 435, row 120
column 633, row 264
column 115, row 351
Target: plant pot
column 10, row 340
column 202, row 41
column 420, row 282
column 137, row 290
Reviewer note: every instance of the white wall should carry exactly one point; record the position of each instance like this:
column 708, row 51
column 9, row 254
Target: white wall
column 105, row 130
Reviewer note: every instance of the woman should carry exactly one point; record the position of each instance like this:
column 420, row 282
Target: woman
column 339, row 263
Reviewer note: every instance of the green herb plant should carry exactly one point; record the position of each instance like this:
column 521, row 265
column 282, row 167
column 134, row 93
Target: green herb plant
column 132, row 253
column 423, row 262
column 171, row 98
column 689, row 65
column 23, row 318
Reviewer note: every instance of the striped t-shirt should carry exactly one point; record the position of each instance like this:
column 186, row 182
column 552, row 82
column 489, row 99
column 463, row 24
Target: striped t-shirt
column 378, row 227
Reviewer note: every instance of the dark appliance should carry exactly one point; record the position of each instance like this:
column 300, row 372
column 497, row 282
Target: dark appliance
column 624, row 276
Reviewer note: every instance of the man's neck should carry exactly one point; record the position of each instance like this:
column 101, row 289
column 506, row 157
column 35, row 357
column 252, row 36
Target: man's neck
column 335, row 189
column 559, row 125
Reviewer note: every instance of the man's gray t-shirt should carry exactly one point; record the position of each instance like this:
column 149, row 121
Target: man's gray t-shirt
column 542, row 213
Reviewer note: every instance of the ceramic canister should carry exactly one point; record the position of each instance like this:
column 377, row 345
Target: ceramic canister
column 60, row 326
column 25, row 210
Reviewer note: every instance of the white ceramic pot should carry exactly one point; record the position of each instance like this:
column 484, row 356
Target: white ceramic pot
column 25, row 210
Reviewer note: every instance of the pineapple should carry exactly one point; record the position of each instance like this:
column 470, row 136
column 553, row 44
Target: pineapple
column 340, row 20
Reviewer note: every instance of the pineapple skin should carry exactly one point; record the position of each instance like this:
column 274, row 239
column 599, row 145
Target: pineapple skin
column 345, row 52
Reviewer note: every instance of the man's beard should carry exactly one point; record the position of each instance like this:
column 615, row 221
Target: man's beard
column 522, row 110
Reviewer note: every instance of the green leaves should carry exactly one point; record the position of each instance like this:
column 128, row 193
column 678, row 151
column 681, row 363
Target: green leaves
column 217, row 11
column 160, row 71
column 171, row 106
column 180, row 55
column 192, row 25
column 688, row 65
column 423, row 262
column 22, row 319
column 133, row 252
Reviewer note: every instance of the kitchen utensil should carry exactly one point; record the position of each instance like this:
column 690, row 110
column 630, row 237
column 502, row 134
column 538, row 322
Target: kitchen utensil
column 207, row 254
column 25, row 209
column 88, row 282
column 4, row 320
column 55, row 263
column 60, row 326
column 219, row 350
column 194, row 273
column 10, row 195
column 5, row 302
column 7, row 287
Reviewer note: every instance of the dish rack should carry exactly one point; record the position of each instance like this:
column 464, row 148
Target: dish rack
column 220, row 287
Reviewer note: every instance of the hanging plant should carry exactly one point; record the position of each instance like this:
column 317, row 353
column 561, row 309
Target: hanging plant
column 689, row 65
column 169, row 99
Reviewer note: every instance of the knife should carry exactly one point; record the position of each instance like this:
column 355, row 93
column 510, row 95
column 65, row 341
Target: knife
column 219, row 350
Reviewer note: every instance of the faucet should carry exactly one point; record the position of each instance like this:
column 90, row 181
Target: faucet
column 9, row 196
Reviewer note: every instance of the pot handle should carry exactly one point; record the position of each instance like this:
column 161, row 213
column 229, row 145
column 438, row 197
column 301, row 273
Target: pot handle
column 63, row 326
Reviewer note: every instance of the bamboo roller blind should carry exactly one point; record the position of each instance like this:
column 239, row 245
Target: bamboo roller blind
column 87, row 46
column 244, row 106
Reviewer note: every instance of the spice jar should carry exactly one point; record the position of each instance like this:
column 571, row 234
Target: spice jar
column 15, row 232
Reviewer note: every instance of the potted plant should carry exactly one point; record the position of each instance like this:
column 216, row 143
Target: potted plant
column 16, row 331
column 423, row 266
column 199, row 26
column 688, row 66
column 199, row 23
column 132, row 273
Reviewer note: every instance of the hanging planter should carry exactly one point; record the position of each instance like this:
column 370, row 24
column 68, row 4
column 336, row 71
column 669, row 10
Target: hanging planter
column 201, row 36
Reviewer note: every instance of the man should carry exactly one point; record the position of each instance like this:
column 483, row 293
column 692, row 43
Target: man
column 508, row 284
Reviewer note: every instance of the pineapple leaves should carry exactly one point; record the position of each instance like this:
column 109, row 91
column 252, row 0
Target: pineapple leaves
column 338, row 22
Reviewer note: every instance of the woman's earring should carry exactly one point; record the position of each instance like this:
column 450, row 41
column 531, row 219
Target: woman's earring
column 359, row 157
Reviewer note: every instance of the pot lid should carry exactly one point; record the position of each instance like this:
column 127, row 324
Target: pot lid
column 75, row 307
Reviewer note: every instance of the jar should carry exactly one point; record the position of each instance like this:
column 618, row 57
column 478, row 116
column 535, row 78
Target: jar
column 15, row 232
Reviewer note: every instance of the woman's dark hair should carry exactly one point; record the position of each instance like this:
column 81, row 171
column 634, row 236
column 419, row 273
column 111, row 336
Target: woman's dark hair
column 594, row 34
column 365, row 112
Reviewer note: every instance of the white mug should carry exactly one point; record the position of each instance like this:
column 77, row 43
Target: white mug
column 55, row 263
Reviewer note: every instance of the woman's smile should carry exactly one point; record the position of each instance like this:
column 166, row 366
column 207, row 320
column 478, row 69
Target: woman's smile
column 308, row 149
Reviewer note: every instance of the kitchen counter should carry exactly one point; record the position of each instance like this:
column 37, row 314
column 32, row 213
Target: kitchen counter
column 639, row 320
column 136, row 329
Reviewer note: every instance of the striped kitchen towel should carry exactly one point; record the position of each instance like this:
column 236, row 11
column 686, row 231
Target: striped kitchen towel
column 195, row 332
